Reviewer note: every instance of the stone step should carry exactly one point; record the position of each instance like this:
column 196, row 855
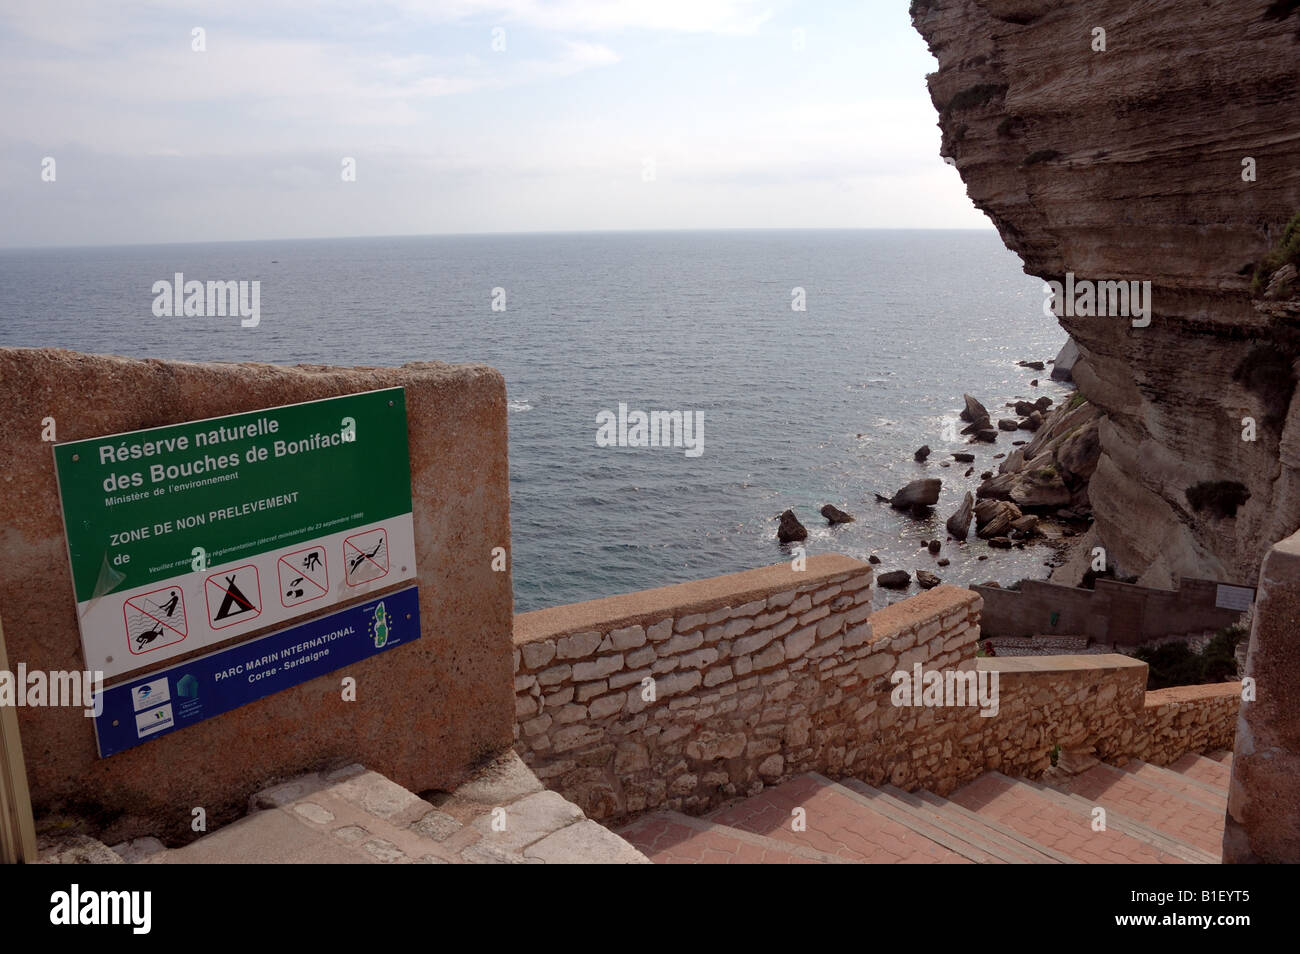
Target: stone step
column 1212, row 796
column 836, row 823
column 1062, row 827
column 353, row 816
column 1128, row 825
column 1204, row 768
column 1008, row 839
column 953, row 838
column 1193, row 821
column 671, row 838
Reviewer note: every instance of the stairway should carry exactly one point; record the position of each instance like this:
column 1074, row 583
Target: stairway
column 1170, row 815
column 500, row 815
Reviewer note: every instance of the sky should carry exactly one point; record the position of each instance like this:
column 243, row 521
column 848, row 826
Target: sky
column 465, row 116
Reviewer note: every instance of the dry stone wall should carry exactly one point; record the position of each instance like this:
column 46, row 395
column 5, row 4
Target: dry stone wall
column 1097, row 705
column 688, row 696
column 1186, row 719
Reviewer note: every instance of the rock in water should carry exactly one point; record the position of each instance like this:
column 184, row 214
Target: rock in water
column 1063, row 368
column 964, row 458
column 959, row 523
column 943, row 562
column 791, row 529
column 974, row 410
column 927, row 580
column 934, row 547
column 1026, row 525
column 922, row 452
column 1007, row 424
column 895, row 580
column 993, row 518
column 919, row 493
column 835, row 515
column 1025, row 407
column 873, row 559
column 1044, row 403
column 1031, row 365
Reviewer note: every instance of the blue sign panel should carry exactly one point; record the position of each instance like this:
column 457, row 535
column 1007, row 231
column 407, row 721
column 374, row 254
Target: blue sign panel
column 162, row 702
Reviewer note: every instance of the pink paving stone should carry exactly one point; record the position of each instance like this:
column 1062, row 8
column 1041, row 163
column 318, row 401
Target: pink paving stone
column 1033, row 814
column 1205, row 769
column 668, row 842
column 837, row 824
column 1137, row 798
column 1195, row 792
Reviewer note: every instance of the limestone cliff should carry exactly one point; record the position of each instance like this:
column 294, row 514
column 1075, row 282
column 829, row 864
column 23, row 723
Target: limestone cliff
column 1127, row 164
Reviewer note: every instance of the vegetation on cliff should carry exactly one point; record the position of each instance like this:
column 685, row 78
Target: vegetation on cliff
column 1174, row 664
column 1286, row 253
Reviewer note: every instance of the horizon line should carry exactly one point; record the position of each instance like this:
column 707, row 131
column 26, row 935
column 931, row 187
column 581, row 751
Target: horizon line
column 503, row 234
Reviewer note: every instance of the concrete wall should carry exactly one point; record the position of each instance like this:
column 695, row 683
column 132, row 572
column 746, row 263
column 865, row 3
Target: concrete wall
column 424, row 713
column 1117, row 614
column 1263, row 821
column 760, row 676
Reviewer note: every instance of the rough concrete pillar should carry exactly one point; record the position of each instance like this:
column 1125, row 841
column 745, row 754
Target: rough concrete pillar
column 425, row 714
column 1263, row 823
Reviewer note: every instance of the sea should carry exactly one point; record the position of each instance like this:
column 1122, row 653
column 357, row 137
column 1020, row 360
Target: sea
column 817, row 361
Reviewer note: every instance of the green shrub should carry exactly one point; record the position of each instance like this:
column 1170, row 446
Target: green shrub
column 1174, row 664
column 1287, row 252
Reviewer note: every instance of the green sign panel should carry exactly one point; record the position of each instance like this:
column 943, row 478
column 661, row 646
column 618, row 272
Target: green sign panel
column 189, row 534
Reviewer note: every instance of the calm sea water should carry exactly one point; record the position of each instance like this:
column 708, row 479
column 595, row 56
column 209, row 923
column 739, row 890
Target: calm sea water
column 799, row 408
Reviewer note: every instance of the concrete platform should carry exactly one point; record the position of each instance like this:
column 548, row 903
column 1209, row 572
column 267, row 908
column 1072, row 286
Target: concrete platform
column 354, row 816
